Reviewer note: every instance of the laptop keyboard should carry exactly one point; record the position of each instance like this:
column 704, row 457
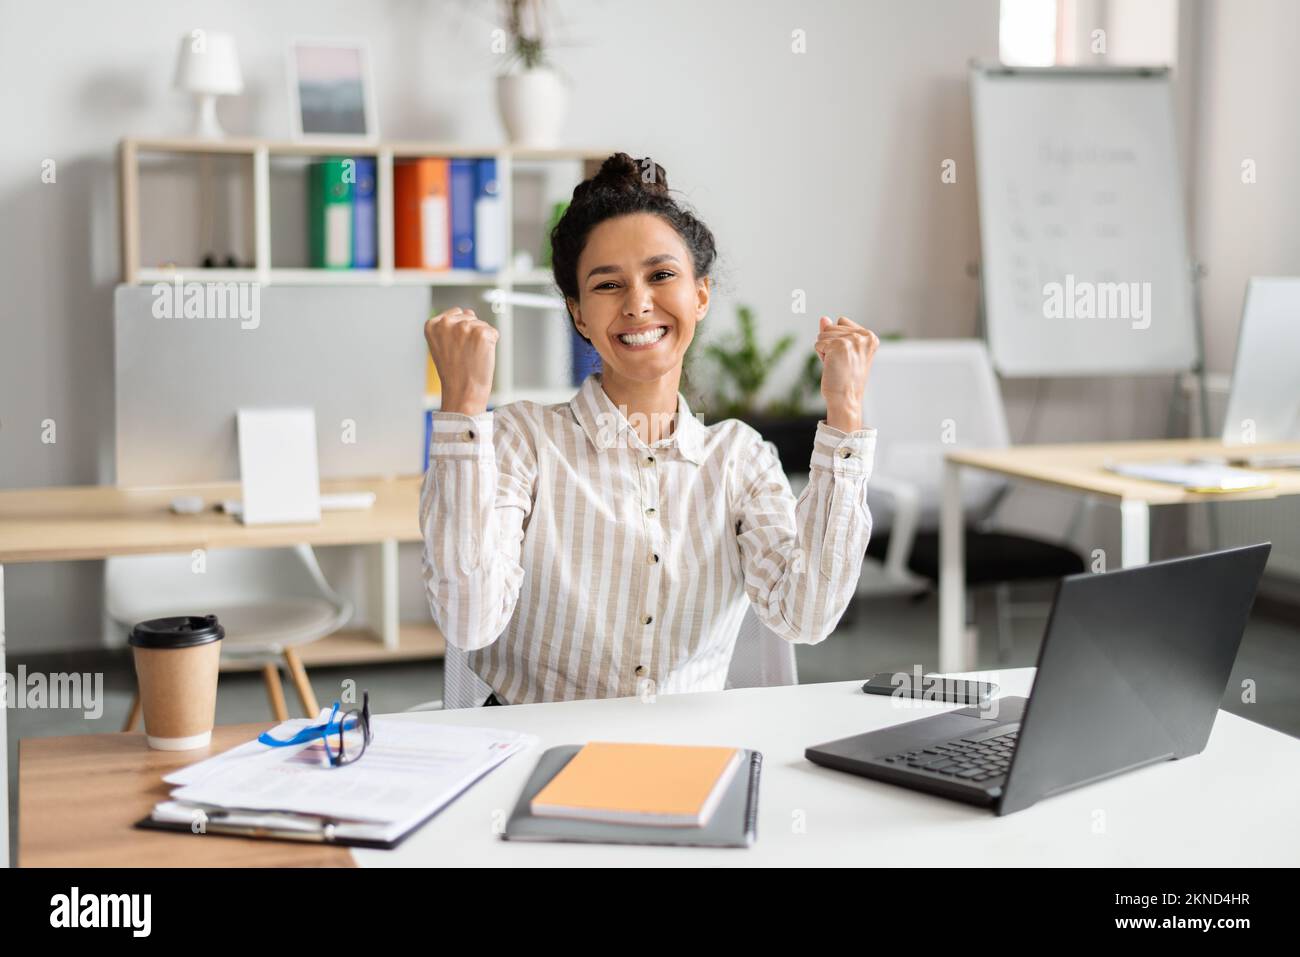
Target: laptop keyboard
column 965, row 759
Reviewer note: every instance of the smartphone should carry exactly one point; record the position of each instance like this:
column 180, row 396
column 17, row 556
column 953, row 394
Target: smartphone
column 932, row 687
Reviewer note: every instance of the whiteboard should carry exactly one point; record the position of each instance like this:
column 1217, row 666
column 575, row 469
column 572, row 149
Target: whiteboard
column 1085, row 264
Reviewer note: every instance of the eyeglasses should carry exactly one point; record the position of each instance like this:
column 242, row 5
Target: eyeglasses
column 341, row 746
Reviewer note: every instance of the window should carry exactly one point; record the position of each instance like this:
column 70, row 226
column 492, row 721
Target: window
column 1027, row 32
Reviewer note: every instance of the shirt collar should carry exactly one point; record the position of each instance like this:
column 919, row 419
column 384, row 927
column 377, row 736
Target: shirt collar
column 604, row 422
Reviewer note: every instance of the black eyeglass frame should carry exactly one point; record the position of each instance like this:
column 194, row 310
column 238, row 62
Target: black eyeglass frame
column 351, row 718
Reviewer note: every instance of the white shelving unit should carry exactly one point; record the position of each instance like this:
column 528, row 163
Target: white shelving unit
column 259, row 154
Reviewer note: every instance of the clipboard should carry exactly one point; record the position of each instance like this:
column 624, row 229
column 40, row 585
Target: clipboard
column 326, row 834
column 225, row 823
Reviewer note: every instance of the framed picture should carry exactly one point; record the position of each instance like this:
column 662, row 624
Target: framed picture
column 331, row 95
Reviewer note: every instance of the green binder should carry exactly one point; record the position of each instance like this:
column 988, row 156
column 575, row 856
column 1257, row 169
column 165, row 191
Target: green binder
column 329, row 207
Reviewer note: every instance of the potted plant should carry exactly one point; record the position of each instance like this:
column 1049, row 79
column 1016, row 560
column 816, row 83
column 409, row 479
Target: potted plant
column 533, row 99
column 742, row 369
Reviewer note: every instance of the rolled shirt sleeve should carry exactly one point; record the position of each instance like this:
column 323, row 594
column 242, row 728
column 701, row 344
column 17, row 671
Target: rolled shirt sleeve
column 476, row 496
column 802, row 559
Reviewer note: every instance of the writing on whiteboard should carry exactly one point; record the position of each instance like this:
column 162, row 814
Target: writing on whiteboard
column 1069, row 154
column 1081, row 299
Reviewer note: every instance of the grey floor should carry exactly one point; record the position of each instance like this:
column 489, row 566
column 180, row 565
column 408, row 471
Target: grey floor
column 880, row 635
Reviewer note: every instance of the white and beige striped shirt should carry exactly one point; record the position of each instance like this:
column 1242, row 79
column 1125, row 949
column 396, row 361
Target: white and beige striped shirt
column 571, row 560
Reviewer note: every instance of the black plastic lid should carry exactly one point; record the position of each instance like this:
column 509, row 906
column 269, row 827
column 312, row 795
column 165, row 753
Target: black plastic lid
column 185, row 631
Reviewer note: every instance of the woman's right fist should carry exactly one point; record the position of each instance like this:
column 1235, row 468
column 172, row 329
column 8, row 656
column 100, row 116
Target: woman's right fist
column 464, row 349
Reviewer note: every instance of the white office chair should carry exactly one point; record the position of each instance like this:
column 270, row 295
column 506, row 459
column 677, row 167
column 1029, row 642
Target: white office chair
column 928, row 398
column 269, row 601
column 760, row 659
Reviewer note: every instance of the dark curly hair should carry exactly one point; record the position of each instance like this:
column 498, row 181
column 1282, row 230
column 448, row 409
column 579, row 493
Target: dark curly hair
column 622, row 186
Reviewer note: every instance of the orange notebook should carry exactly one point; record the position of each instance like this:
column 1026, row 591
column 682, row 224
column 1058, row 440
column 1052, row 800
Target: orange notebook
column 657, row 784
column 421, row 214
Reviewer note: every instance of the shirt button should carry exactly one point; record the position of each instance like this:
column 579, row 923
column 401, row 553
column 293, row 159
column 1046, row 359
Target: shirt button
column 649, row 619
column 649, row 460
column 654, row 558
column 845, row 453
column 650, row 510
column 469, row 435
column 640, row 670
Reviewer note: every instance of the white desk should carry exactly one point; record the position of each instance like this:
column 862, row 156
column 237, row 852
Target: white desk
column 1080, row 468
column 1234, row 804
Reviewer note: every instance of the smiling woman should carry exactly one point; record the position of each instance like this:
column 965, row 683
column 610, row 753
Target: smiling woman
column 634, row 266
column 610, row 545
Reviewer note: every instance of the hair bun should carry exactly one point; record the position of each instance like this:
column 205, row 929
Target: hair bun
column 621, row 173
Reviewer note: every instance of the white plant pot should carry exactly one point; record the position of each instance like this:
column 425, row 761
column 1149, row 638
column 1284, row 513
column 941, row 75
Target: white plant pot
column 533, row 106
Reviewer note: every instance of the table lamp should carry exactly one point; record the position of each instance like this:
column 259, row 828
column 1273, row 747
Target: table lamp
column 208, row 67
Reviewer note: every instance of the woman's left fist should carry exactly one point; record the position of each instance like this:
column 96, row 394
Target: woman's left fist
column 846, row 351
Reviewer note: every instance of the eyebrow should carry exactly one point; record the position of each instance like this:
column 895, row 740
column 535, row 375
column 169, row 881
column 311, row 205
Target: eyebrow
column 652, row 261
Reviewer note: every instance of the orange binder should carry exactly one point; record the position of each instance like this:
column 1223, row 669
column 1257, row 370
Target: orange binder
column 422, row 213
column 659, row 784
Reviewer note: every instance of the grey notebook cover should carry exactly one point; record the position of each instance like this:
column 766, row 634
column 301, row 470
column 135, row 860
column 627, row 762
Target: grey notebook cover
column 734, row 822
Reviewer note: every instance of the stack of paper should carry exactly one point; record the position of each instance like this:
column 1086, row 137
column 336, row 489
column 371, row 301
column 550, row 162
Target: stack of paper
column 409, row 772
column 1194, row 477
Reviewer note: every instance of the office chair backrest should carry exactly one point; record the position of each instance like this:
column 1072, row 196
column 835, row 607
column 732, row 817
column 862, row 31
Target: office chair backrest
column 145, row 586
column 927, row 398
column 461, row 687
column 761, row 659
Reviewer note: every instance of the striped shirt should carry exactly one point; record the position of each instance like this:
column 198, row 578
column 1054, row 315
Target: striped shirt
column 571, row 560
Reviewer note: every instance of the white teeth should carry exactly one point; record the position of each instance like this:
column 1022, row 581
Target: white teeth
column 644, row 338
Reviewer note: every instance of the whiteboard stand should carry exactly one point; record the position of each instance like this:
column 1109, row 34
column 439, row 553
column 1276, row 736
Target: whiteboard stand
column 1198, row 271
column 1197, row 369
column 1078, row 179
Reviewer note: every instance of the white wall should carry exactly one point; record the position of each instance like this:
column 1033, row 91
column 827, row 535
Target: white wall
column 1249, row 75
column 1236, row 72
column 817, row 171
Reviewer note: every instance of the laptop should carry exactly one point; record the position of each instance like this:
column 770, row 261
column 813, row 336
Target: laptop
column 1131, row 671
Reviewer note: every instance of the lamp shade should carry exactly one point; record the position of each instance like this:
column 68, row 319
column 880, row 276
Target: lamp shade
column 208, row 63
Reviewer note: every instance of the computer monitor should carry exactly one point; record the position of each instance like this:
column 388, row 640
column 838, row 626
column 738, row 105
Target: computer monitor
column 1264, row 404
column 355, row 354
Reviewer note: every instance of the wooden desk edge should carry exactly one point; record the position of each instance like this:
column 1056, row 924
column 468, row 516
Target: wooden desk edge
column 1010, row 462
column 167, row 533
column 80, row 796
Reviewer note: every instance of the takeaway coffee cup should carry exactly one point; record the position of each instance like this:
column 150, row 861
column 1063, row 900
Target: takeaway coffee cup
column 176, row 664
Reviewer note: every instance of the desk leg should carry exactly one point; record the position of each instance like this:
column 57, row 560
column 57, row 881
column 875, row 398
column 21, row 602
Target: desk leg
column 4, row 735
column 1134, row 533
column 956, row 653
column 383, row 593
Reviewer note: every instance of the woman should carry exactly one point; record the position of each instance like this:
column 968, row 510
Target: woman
column 601, row 546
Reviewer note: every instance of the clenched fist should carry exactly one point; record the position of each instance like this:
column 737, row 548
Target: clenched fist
column 464, row 349
column 846, row 351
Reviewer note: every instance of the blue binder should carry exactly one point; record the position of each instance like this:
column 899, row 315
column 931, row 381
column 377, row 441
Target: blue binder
column 428, row 439
column 365, row 253
column 585, row 358
column 462, row 213
column 489, row 229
